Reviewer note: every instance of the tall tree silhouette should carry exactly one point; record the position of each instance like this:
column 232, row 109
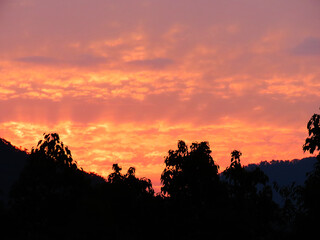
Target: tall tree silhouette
column 49, row 186
column 189, row 173
column 194, row 195
column 51, row 149
column 116, row 176
column 312, row 142
column 312, row 184
column 250, row 199
column 243, row 183
column 311, row 190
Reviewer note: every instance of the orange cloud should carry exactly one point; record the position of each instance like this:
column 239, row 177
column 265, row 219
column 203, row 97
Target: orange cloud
column 97, row 146
column 126, row 87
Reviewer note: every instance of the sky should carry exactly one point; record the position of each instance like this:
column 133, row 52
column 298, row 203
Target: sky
column 122, row 81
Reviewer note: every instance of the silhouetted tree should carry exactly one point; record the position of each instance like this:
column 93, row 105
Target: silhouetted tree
column 131, row 201
column 54, row 199
column 44, row 199
column 312, row 184
column 244, row 183
column 115, row 176
column 291, row 195
column 195, row 198
column 251, row 199
column 51, row 149
column 312, row 143
column 310, row 194
column 189, row 174
column 138, row 186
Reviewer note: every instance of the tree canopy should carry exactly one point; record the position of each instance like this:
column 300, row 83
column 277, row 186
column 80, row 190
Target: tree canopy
column 312, row 142
column 51, row 149
column 55, row 199
column 189, row 172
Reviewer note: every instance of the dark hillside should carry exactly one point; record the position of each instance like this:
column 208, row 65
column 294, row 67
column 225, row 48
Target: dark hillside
column 286, row 172
column 12, row 161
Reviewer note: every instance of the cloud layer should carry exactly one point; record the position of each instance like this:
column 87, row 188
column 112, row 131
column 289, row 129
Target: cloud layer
column 123, row 81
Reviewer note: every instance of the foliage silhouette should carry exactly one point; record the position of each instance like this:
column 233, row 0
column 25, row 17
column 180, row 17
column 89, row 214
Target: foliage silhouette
column 189, row 173
column 250, row 198
column 312, row 143
column 55, row 199
column 51, row 149
column 140, row 186
column 193, row 191
column 243, row 183
column 49, row 186
column 312, row 184
column 308, row 220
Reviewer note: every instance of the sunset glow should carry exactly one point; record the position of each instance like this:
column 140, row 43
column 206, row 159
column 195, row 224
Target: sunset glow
column 123, row 81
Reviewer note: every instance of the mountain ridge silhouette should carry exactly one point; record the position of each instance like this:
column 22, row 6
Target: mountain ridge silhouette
column 283, row 172
column 12, row 161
